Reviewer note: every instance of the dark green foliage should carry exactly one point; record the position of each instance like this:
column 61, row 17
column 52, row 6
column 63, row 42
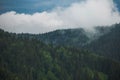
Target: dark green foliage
column 108, row 45
column 74, row 37
column 25, row 58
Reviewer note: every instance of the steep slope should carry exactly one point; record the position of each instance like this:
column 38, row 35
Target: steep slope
column 30, row 59
column 108, row 45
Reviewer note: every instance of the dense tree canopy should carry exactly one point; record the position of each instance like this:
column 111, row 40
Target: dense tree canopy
column 25, row 58
column 30, row 57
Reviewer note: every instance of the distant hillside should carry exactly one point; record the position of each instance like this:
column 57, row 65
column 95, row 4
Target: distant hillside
column 108, row 45
column 73, row 37
column 67, row 37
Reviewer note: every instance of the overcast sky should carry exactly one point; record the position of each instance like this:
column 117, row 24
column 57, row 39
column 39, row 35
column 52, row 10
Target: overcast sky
column 40, row 16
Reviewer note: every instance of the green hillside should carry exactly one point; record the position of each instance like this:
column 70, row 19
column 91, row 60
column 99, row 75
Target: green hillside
column 67, row 37
column 30, row 59
column 107, row 45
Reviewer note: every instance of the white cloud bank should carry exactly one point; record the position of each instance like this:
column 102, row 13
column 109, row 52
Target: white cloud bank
column 86, row 14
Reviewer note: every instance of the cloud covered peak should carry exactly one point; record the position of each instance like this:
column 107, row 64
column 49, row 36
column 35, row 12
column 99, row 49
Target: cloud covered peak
column 86, row 14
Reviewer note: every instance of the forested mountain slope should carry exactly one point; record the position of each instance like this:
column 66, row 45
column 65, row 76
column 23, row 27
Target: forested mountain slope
column 107, row 45
column 72, row 37
column 30, row 59
column 67, row 37
column 103, row 41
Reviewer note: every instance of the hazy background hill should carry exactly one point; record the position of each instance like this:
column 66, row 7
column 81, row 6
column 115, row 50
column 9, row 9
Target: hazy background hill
column 108, row 45
column 67, row 37
column 78, row 37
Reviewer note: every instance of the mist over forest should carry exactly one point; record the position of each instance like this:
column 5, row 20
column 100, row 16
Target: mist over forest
column 60, row 40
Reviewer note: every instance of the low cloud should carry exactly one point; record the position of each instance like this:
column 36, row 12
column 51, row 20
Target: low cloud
column 86, row 14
